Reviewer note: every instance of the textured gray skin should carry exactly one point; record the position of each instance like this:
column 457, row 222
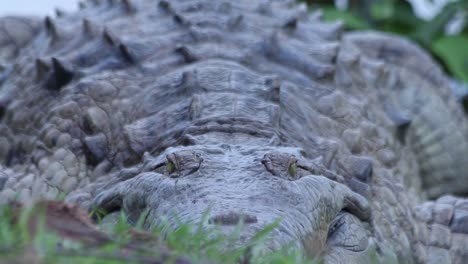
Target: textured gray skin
column 254, row 110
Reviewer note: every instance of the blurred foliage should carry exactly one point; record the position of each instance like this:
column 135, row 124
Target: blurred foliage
column 193, row 242
column 396, row 16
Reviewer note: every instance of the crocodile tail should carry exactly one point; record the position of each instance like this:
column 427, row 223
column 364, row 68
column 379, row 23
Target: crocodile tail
column 416, row 96
column 441, row 232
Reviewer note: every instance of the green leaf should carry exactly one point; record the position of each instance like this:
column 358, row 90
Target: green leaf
column 262, row 234
column 383, row 9
column 433, row 29
column 396, row 17
column 454, row 53
column 350, row 20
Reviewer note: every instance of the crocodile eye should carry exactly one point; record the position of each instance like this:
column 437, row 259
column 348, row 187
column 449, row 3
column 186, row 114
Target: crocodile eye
column 171, row 164
column 182, row 163
column 292, row 169
column 170, row 167
column 281, row 165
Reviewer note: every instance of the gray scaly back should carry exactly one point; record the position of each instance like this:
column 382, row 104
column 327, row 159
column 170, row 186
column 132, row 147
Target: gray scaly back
column 255, row 110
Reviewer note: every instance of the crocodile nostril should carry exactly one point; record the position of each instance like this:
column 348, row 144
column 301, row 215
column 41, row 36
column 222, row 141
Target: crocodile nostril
column 232, row 219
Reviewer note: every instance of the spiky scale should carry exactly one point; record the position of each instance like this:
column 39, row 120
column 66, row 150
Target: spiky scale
column 188, row 55
column 5, row 72
column 124, row 50
column 400, row 119
column 94, row 2
column 88, row 27
column 264, row 7
column 188, row 81
column 165, row 5
column 51, row 28
column 225, row 7
column 61, row 75
column 179, row 19
column 59, row 12
column 235, row 21
column 291, row 23
column 274, row 84
column 109, row 38
column 81, row 5
column 42, row 69
column 129, row 7
column 2, row 110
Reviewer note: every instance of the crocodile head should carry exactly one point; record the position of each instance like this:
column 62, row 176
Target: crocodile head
column 212, row 89
column 255, row 185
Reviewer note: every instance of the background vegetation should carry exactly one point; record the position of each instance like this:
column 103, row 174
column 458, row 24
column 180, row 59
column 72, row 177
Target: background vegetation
column 50, row 233
column 397, row 16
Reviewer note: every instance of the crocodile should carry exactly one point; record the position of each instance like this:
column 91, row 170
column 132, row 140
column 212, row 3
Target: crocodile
column 252, row 111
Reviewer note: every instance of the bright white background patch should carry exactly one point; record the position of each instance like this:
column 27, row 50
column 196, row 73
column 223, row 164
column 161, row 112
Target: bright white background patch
column 427, row 9
column 35, row 7
column 423, row 8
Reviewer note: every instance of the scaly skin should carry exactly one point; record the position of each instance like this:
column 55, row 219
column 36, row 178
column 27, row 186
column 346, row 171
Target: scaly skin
column 254, row 110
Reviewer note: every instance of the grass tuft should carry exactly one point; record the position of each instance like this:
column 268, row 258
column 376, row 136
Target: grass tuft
column 20, row 243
